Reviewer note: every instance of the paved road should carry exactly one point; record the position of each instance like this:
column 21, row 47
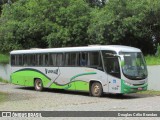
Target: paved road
column 27, row 99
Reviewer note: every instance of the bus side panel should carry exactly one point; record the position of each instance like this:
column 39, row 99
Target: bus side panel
column 70, row 86
column 26, row 78
column 75, row 85
column 17, row 79
column 77, row 78
column 82, row 86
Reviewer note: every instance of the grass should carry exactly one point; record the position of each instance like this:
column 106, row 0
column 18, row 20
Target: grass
column 4, row 81
column 150, row 92
column 152, row 60
column 4, row 59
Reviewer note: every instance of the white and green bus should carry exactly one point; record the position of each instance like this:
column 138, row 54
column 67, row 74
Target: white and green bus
column 94, row 69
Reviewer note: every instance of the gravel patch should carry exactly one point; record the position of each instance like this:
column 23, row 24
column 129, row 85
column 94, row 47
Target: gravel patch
column 27, row 99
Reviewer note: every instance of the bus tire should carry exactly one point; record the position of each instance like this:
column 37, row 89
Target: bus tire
column 38, row 85
column 96, row 89
column 119, row 94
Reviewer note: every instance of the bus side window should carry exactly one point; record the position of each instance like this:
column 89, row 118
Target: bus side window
column 13, row 60
column 24, row 60
column 38, row 59
column 20, row 62
column 31, row 60
column 43, row 59
column 59, row 59
column 95, row 60
column 52, row 59
column 71, row 59
column 84, row 59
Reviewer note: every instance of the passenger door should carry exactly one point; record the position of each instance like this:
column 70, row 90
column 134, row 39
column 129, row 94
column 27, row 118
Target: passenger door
column 113, row 73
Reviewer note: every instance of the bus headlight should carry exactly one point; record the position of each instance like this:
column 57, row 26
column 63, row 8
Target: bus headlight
column 129, row 84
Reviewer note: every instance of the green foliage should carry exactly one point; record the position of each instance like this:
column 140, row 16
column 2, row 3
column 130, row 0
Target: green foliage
column 4, row 59
column 98, row 3
column 70, row 25
column 158, row 51
column 127, row 22
column 150, row 92
column 152, row 60
column 3, row 81
column 50, row 23
column 34, row 23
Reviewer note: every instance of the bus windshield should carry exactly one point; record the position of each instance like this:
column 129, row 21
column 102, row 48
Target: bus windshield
column 134, row 66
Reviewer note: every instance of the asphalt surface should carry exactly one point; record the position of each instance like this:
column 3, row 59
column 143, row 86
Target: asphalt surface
column 27, row 99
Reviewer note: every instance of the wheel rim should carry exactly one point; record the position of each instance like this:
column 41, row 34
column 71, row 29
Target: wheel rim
column 96, row 90
column 38, row 84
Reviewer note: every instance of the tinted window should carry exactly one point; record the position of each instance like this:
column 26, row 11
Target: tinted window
column 31, row 60
column 42, row 59
column 13, row 59
column 46, row 61
column 52, row 59
column 71, row 59
column 25, row 60
column 111, row 63
column 84, row 59
column 20, row 60
column 94, row 58
column 59, row 59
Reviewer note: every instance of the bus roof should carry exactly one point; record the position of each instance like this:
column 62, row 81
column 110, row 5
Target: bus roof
column 116, row 48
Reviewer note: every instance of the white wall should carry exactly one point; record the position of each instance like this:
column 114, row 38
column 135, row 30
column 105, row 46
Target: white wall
column 153, row 75
column 5, row 72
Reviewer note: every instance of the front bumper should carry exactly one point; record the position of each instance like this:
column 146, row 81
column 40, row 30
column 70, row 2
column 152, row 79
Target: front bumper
column 132, row 89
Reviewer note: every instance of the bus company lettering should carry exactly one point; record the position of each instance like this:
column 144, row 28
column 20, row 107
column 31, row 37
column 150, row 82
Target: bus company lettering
column 51, row 71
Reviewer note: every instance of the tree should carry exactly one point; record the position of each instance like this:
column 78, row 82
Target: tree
column 45, row 23
column 99, row 3
column 2, row 2
column 126, row 22
column 70, row 25
column 23, row 25
column 56, row 23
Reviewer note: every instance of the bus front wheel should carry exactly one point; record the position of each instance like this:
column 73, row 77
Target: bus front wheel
column 96, row 89
column 38, row 85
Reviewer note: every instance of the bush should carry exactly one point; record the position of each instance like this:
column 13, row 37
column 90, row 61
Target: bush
column 4, row 59
column 4, row 81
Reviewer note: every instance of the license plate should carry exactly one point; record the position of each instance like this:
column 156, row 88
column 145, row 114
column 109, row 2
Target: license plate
column 140, row 88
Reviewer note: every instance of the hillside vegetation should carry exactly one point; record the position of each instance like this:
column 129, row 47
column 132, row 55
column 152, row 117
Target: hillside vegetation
column 57, row 23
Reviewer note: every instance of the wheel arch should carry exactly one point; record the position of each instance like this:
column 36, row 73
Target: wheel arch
column 36, row 78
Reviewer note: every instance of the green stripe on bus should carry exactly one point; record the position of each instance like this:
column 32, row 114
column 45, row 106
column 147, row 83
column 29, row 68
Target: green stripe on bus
column 26, row 78
column 74, row 85
column 82, row 74
column 80, row 85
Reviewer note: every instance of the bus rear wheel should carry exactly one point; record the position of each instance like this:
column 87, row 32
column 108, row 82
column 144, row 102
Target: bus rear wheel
column 96, row 89
column 38, row 85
